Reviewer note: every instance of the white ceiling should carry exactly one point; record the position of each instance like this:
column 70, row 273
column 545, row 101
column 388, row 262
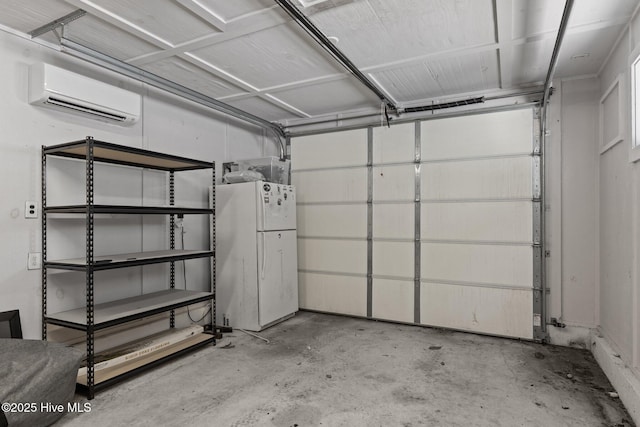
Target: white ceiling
column 249, row 54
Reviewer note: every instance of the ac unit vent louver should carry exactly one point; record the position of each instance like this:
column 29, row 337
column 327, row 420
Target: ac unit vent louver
column 64, row 104
column 54, row 87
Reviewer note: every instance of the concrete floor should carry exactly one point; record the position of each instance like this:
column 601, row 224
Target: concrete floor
column 337, row 371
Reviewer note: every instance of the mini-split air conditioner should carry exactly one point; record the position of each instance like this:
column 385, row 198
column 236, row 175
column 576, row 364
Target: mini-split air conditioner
column 57, row 88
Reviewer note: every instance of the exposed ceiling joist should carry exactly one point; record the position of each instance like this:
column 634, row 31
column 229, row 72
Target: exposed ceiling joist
column 287, row 86
column 504, row 35
column 205, row 13
column 263, row 20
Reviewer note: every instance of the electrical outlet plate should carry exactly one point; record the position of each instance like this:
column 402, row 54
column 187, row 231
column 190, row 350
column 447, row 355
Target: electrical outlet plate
column 34, row 261
column 31, row 209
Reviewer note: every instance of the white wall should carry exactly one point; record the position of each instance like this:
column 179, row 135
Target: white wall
column 619, row 187
column 168, row 124
column 572, row 202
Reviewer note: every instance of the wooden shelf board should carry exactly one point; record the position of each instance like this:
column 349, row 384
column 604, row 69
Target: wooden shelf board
column 123, row 155
column 110, row 373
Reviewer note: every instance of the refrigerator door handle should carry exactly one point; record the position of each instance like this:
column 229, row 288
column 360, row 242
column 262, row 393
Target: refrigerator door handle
column 262, row 226
column 264, row 256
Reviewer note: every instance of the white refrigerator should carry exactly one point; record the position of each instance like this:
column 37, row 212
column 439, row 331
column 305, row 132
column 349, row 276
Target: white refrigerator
column 256, row 254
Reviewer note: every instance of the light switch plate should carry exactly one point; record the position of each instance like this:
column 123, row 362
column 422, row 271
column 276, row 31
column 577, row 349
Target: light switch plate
column 35, row 261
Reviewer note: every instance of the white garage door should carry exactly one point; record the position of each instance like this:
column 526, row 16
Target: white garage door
column 434, row 222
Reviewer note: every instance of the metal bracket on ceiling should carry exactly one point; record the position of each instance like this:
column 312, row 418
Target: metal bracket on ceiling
column 55, row 24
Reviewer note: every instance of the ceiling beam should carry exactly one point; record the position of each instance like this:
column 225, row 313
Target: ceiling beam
column 504, row 35
column 287, row 86
column 205, row 13
column 120, row 22
column 241, row 26
column 284, row 105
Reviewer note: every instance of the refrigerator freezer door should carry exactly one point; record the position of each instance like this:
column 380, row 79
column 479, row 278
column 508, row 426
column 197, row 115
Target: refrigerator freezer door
column 236, row 256
column 277, row 275
column 276, row 206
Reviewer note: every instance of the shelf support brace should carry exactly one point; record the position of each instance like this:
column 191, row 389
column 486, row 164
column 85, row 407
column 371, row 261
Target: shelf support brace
column 213, row 249
column 43, row 206
column 417, row 206
column 172, row 244
column 89, row 269
column 369, row 222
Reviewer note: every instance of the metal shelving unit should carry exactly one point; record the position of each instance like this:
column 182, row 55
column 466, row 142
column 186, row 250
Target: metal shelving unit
column 93, row 317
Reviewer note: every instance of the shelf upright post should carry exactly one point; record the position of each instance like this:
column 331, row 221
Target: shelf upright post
column 172, row 244
column 89, row 268
column 213, row 249
column 43, row 271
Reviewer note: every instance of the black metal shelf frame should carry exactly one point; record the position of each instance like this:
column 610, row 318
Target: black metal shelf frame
column 92, row 151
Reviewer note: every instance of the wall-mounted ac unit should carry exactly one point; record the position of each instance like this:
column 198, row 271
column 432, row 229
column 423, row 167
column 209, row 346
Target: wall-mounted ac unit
column 58, row 88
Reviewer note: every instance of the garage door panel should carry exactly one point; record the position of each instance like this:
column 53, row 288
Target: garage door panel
column 341, row 185
column 393, row 300
column 330, row 150
column 394, row 183
column 492, row 134
column 507, row 312
column 393, row 259
column 489, row 264
column 342, row 221
column 483, row 221
column 393, row 221
column 333, row 293
column 337, row 256
column 476, row 222
column 507, row 178
column 394, row 144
